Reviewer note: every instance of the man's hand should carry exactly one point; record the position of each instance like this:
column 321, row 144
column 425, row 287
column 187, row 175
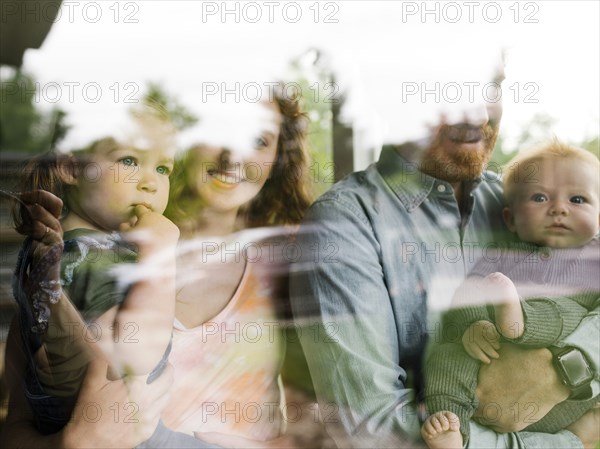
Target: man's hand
column 587, row 428
column 237, row 442
column 517, row 389
column 481, row 341
column 116, row 414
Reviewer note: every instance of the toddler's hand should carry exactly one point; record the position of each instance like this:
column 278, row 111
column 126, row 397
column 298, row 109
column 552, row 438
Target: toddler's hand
column 481, row 341
column 150, row 230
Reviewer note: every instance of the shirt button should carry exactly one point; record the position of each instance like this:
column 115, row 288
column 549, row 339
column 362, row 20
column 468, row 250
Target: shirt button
column 441, row 188
column 545, row 254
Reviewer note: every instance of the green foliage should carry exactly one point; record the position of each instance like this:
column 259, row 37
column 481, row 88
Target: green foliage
column 501, row 155
column 319, row 136
column 169, row 107
column 24, row 127
column 316, row 101
column 592, row 144
column 537, row 130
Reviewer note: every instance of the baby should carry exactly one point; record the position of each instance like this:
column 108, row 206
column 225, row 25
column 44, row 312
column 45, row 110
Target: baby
column 538, row 291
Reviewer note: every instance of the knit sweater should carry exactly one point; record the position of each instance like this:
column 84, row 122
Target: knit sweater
column 557, row 287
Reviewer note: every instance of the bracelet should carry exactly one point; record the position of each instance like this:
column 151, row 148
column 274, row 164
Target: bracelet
column 50, row 259
column 41, row 313
column 52, row 289
column 47, row 292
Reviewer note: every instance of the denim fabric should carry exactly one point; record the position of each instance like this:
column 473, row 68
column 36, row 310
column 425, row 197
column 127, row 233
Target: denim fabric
column 382, row 254
column 482, row 437
column 165, row 438
column 51, row 413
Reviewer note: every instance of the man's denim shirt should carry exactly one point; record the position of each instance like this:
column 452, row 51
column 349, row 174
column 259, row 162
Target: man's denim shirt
column 382, row 253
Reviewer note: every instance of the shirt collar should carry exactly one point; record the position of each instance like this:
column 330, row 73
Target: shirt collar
column 410, row 185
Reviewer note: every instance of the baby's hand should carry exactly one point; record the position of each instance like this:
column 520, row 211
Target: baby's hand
column 481, row 341
column 150, row 230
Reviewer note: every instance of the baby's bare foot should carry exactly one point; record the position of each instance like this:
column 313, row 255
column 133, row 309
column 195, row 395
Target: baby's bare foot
column 507, row 305
column 442, row 431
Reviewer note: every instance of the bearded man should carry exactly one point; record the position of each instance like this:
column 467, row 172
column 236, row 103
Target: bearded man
column 399, row 237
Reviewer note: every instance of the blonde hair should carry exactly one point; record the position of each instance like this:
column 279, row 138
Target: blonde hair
column 520, row 169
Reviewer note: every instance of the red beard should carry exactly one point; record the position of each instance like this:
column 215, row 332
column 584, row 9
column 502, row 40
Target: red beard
column 459, row 152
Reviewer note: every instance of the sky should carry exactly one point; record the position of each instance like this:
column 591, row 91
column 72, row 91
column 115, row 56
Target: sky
column 385, row 55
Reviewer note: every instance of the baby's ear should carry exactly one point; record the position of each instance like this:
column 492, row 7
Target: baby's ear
column 509, row 219
column 67, row 170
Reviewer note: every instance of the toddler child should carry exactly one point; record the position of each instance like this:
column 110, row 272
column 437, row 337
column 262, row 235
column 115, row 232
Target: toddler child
column 110, row 186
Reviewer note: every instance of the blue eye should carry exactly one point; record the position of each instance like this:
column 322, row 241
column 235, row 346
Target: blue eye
column 163, row 170
column 539, row 198
column 577, row 199
column 128, row 161
column 261, row 142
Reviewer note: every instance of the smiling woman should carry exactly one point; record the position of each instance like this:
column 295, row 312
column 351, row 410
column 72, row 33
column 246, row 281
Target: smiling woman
column 227, row 179
column 228, row 344
column 254, row 177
